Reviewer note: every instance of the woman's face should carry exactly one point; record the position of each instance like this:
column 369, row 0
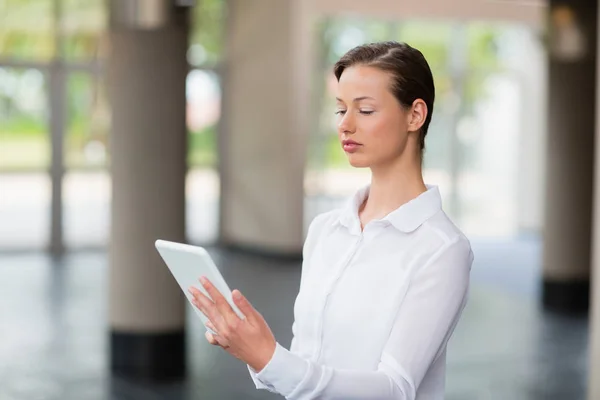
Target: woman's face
column 373, row 127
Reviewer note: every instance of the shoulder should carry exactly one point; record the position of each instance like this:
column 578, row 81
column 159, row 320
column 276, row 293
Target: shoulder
column 317, row 227
column 323, row 220
column 446, row 247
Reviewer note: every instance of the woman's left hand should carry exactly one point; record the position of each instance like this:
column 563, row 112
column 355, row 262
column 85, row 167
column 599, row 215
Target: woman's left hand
column 250, row 339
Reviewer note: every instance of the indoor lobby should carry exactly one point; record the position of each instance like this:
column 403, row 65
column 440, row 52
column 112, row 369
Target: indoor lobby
column 212, row 122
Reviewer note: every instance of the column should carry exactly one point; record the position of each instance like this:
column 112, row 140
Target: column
column 147, row 72
column 594, row 340
column 265, row 126
column 570, row 155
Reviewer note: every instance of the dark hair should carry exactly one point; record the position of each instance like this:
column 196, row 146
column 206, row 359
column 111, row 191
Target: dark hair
column 412, row 78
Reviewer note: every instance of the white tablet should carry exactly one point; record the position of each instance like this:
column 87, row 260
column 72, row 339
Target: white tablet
column 187, row 264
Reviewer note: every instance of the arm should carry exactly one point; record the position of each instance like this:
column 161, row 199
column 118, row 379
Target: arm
column 425, row 321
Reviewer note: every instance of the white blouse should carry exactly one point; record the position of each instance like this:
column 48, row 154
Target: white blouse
column 376, row 307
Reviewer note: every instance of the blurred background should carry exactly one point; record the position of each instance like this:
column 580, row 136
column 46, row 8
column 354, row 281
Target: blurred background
column 511, row 146
column 483, row 136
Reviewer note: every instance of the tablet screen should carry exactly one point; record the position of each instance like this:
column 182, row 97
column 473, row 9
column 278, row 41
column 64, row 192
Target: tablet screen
column 187, row 264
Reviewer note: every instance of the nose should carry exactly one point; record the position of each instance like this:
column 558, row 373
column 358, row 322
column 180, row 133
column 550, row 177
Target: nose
column 346, row 123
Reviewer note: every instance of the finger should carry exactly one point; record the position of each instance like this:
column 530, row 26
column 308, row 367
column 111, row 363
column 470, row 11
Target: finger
column 222, row 304
column 211, row 326
column 199, row 299
column 221, row 341
column 197, row 293
column 211, row 339
column 215, row 338
column 244, row 306
column 208, row 308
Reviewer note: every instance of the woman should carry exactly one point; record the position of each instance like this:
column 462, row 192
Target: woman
column 385, row 278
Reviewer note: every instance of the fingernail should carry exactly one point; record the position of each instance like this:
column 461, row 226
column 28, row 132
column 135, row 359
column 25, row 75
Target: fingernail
column 237, row 295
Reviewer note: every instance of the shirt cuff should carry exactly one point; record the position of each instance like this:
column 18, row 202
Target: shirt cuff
column 284, row 372
column 257, row 382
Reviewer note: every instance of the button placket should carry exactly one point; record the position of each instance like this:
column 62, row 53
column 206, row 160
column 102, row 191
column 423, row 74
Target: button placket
column 318, row 348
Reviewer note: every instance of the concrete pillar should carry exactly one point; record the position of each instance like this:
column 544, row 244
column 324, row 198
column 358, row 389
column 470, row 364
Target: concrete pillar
column 147, row 71
column 265, row 126
column 594, row 345
column 570, row 155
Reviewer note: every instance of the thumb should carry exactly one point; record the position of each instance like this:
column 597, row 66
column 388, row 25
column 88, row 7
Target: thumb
column 244, row 305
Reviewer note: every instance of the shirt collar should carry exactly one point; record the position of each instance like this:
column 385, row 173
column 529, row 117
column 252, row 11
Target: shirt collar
column 406, row 218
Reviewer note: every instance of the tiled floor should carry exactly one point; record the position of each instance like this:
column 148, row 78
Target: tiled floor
column 53, row 332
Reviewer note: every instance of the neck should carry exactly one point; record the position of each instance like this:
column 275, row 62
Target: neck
column 394, row 184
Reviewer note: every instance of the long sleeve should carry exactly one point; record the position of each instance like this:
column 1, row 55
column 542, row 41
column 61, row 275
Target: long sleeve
column 253, row 374
column 425, row 321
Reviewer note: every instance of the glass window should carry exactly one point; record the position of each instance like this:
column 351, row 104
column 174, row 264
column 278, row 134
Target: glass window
column 86, row 184
column 202, row 189
column 88, row 121
column 206, row 41
column 24, row 133
column 86, row 205
column 203, row 93
column 83, row 24
column 25, row 210
column 27, row 30
column 438, row 155
column 488, row 138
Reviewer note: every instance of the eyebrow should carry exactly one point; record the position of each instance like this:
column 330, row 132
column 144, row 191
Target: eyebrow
column 356, row 99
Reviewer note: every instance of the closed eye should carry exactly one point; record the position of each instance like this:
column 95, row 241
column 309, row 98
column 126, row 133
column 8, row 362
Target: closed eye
column 342, row 112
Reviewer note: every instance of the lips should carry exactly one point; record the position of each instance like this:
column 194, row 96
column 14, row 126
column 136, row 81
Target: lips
column 350, row 146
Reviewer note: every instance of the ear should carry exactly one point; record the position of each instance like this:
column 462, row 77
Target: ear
column 417, row 115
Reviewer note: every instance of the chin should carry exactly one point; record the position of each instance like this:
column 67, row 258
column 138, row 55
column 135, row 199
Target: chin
column 358, row 162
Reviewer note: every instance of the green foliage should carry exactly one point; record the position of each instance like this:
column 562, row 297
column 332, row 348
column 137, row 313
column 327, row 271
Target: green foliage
column 202, row 147
column 26, row 29
column 432, row 38
column 22, row 127
column 482, row 45
column 208, row 28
